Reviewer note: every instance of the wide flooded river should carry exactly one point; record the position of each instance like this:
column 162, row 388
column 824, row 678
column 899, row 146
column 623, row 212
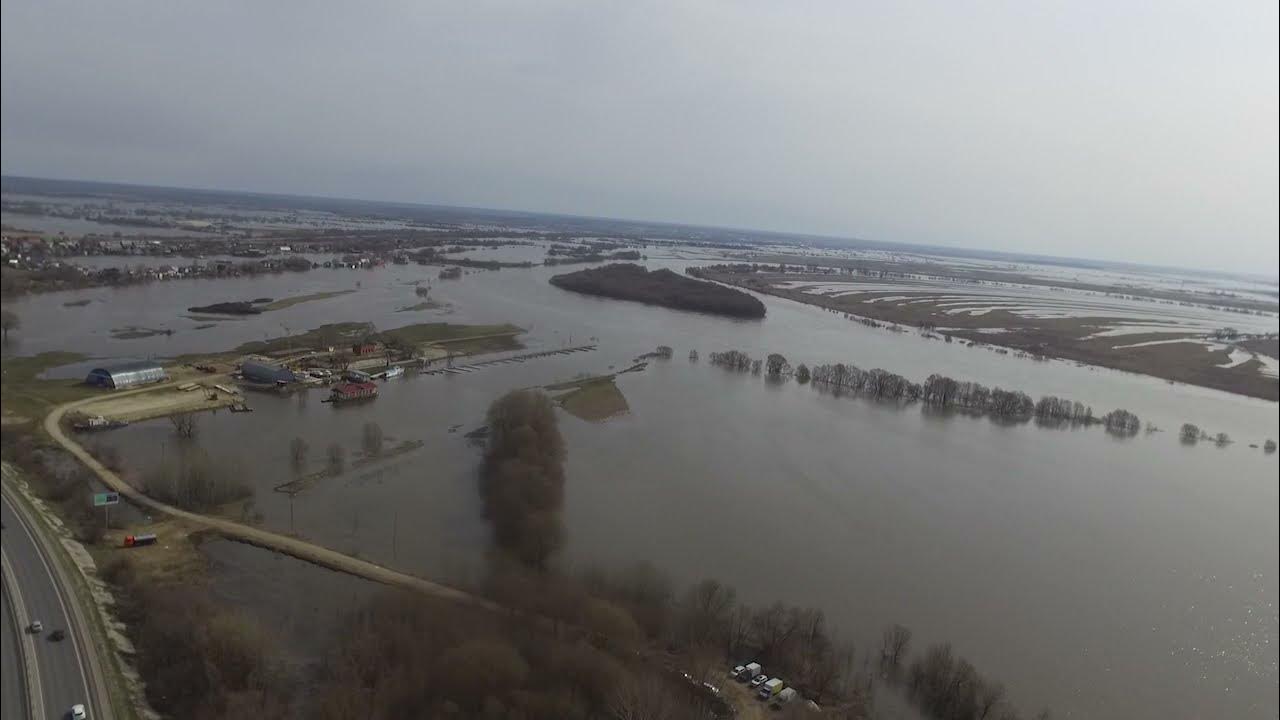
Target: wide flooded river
column 1101, row 577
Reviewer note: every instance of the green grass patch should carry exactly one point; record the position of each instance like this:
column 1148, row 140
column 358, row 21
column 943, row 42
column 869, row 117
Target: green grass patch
column 291, row 301
column 335, row 334
column 592, row 399
column 446, row 333
column 27, row 398
column 424, row 305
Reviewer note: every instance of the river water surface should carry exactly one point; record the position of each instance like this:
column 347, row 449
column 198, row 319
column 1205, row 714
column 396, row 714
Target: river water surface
column 1100, row 577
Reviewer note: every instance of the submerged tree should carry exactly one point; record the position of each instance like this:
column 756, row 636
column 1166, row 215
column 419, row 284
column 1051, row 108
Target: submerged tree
column 336, row 459
column 1189, row 433
column 298, row 450
column 1121, row 422
column 802, row 373
column 192, row 481
column 776, row 364
column 371, row 439
column 9, row 321
column 184, row 425
column 732, row 360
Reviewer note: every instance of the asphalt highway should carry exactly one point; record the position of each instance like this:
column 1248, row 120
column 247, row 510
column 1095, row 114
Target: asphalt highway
column 61, row 677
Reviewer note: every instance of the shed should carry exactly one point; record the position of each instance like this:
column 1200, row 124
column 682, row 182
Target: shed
column 129, row 374
column 354, row 391
column 258, row 371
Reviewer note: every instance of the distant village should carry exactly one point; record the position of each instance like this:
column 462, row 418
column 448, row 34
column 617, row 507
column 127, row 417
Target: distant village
column 43, row 263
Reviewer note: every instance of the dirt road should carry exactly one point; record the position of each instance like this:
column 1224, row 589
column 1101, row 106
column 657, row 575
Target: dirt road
column 291, row 546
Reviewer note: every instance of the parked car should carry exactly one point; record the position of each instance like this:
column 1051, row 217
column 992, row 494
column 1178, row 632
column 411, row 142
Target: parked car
column 35, row 627
column 737, row 671
column 758, row 680
column 58, row 635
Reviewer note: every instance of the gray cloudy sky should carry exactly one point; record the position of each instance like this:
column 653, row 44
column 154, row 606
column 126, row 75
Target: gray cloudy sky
column 1122, row 130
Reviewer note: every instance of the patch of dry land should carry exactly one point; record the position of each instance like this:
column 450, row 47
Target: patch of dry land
column 161, row 401
column 298, row 300
column 592, row 399
column 1173, row 336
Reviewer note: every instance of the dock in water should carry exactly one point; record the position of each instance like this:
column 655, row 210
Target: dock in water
column 472, row 367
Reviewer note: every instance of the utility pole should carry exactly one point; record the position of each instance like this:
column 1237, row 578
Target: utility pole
column 395, row 529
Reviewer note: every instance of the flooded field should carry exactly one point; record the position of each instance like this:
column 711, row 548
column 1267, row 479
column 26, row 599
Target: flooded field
column 1101, row 577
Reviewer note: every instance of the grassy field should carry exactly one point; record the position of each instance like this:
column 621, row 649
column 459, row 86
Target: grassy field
column 420, row 333
column 424, row 305
column 283, row 303
column 25, row 398
column 593, row 399
column 323, row 336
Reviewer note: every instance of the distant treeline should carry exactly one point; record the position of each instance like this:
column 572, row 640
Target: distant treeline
column 430, row 256
column 591, row 258
column 937, row 391
column 661, row 287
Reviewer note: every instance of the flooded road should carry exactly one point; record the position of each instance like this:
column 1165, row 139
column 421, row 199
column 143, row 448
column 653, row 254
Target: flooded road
column 1099, row 577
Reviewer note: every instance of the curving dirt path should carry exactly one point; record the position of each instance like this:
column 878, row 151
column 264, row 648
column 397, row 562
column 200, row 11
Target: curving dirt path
column 294, row 547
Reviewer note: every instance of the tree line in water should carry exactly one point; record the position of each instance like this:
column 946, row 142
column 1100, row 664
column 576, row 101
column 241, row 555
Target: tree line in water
column 940, row 391
column 937, row 391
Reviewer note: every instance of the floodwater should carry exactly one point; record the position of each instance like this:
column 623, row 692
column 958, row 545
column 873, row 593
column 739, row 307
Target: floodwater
column 1101, row 577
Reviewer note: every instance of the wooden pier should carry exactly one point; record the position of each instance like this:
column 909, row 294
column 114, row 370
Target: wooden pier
column 510, row 359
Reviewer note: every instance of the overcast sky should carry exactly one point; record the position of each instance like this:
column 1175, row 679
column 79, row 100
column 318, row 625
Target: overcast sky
column 1117, row 130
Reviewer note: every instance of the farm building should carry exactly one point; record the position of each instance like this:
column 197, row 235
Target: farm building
column 123, row 375
column 354, row 391
column 259, row 371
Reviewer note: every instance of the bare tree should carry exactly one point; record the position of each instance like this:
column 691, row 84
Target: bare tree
column 989, row 697
column 897, row 639
column 184, row 425
column 707, row 608
column 298, row 451
column 644, row 698
column 739, row 631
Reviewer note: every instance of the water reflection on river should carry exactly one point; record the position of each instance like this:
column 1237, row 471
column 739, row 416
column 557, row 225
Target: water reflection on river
column 1100, row 577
